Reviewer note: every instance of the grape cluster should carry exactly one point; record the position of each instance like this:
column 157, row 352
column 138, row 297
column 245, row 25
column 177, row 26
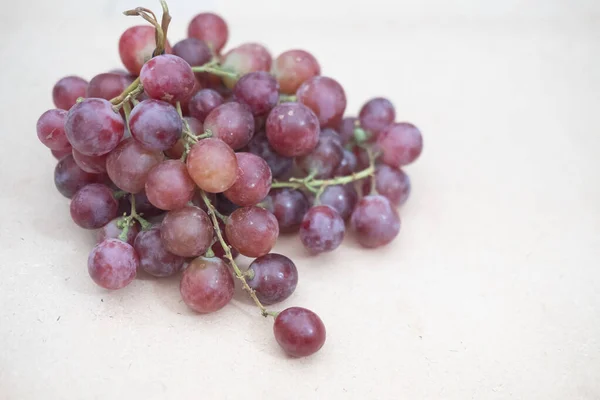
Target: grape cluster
column 193, row 156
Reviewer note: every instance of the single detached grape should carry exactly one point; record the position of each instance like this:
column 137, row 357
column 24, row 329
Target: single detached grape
column 246, row 58
column 253, row 180
column 212, row 165
column 203, row 102
column 274, row 278
column 59, row 154
column 293, row 68
column 292, row 129
column 375, row 221
column 107, row 86
column 93, row 206
column 280, row 166
column 129, row 164
column 112, row 264
column 168, row 78
column 194, row 51
column 258, row 90
column 112, row 231
column 300, row 332
column 91, row 164
column 324, row 159
column 342, row 198
column 207, row 285
column 326, row 97
column 232, row 123
column 377, row 114
column 253, row 231
column 322, row 229
column 155, row 124
column 93, row 128
column 348, row 164
column 346, row 129
column 169, row 185
column 69, row 177
column 155, row 259
column 136, row 46
column 67, row 90
column 187, row 232
column 400, row 144
column 51, row 129
column 390, row 182
column 211, row 29
column 288, row 206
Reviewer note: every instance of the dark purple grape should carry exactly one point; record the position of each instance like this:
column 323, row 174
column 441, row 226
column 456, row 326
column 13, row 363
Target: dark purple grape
column 253, row 180
column 93, row 206
column 207, row 285
column 390, row 182
column 400, row 144
column 93, row 128
column 342, row 198
column 232, row 123
column 112, row 264
column 211, row 29
column 144, row 207
column 59, row 154
column 91, row 164
column 324, row 159
column 187, row 232
column 224, row 205
column 292, row 129
column 155, row 259
column 253, row 231
column 155, row 124
column 293, row 67
column 136, row 46
column 299, row 332
column 326, row 97
column 168, row 77
column 51, row 130
column 194, row 51
column 322, row 229
column 377, row 114
column 375, row 221
column 203, row 102
column 273, row 277
column 108, row 85
column 259, row 91
column 347, row 166
column 67, row 90
column 289, row 207
column 346, row 129
column 69, row 177
column 280, row 166
column 130, row 163
column 112, row 231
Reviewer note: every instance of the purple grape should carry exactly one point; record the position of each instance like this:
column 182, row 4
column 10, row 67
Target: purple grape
column 93, row 206
column 112, row 264
column 155, row 124
column 280, row 166
column 274, row 278
column 324, row 159
column 326, row 97
column 69, row 177
column 375, row 221
column 299, row 332
column 155, row 259
column 322, row 229
column 112, row 231
column 232, row 123
column 289, row 207
column 51, row 130
column 67, row 90
column 258, row 90
column 377, row 114
column 342, row 198
column 400, row 144
column 292, row 129
column 390, row 182
column 203, row 102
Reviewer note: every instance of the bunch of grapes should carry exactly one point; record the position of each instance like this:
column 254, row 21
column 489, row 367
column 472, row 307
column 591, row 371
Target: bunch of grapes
column 193, row 156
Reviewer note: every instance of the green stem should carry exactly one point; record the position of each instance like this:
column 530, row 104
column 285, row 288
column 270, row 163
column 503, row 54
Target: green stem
column 120, row 99
column 287, row 98
column 319, row 184
column 212, row 212
column 211, row 68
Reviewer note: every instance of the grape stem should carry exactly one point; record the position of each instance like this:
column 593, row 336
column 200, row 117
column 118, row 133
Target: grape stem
column 287, row 98
column 188, row 136
column 129, row 93
column 214, row 68
column 127, row 221
column 212, row 212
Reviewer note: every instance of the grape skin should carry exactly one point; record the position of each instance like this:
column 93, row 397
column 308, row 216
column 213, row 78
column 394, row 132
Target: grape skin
column 375, row 221
column 400, row 144
column 280, row 166
column 299, row 332
column 253, row 180
column 377, row 114
column 168, row 78
column 293, row 67
column 203, row 102
column 130, row 163
column 67, row 90
column 169, row 185
column 274, row 278
column 253, row 231
column 194, row 51
column 69, row 177
column 292, row 129
column 91, row 164
column 324, row 159
column 112, row 264
column 155, row 124
column 112, row 231
column 93, row 206
column 342, row 198
column 346, row 129
column 232, row 123
column 187, row 232
column 348, row 164
column 390, row 182
column 259, row 91
column 211, row 29
column 288, row 206
column 136, row 46
column 246, row 58
column 155, row 259
column 322, row 229
column 51, row 130
column 212, row 165
column 207, row 285
column 60, row 154
column 326, row 97
column 108, row 85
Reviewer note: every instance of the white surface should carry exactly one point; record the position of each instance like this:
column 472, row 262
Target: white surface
column 492, row 290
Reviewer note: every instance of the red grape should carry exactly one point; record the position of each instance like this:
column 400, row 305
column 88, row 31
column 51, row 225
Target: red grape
column 203, row 102
column 187, row 232
column 324, row 159
column 279, row 165
column 93, row 128
column 253, row 180
column 212, row 165
column 194, row 51
column 169, row 185
column 346, row 129
column 51, row 130
column 129, row 164
column 209, row 28
column 342, row 198
column 67, row 90
column 112, row 231
column 232, row 123
column 252, row 231
column 107, row 86
column 347, row 166
column 207, row 285
column 390, row 182
column 326, row 98
column 136, row 46
column 91, row 164
column 274, row 278
column 322, row 229
column 292, row 129
column 155, row 124
column 59, row 154
column 112, row 264
column 400, row 144
column 155, row 259
column 377, row 114
column 69, row 177
column 293, row 68
column 246, row 58
column 300, row 332
column 168, row 78
column 258, row 90
column 375, row 221
column 289, row 207
column 93, row 206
